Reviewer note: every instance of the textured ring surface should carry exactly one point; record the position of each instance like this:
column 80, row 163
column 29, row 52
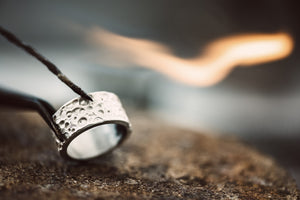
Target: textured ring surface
column 91, row 128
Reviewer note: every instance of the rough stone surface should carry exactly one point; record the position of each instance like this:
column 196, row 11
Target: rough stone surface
column 157, row 162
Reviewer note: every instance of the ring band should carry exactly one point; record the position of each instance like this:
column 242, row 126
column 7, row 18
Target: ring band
column 91, row 128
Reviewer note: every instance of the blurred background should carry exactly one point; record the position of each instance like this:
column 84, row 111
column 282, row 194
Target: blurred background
column 222, row 67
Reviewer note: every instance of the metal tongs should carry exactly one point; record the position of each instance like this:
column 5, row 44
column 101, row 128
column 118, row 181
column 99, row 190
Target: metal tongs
column 19, row 100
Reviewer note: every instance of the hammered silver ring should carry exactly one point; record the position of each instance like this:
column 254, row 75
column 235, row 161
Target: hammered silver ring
column 88, row 129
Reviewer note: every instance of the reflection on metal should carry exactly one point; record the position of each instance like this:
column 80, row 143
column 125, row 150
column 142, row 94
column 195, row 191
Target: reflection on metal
column 91, row 128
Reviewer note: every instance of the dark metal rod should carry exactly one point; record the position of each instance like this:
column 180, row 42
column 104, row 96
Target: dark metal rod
column 15, row 99
column 13, row 39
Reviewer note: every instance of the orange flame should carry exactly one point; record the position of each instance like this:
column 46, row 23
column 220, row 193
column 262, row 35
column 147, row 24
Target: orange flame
column 218, row 59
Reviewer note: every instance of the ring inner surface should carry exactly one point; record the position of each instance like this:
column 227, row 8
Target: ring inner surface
column 95, row 141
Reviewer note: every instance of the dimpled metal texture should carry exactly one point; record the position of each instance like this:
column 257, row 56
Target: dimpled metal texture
column 78, row 114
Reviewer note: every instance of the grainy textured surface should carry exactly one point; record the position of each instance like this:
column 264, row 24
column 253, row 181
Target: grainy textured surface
column 157, row 162
column 77, row 113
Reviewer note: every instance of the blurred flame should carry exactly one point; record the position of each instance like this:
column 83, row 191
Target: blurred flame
column 218, row 59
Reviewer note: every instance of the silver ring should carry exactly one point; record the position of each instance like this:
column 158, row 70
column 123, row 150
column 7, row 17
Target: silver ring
column 88, row 129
